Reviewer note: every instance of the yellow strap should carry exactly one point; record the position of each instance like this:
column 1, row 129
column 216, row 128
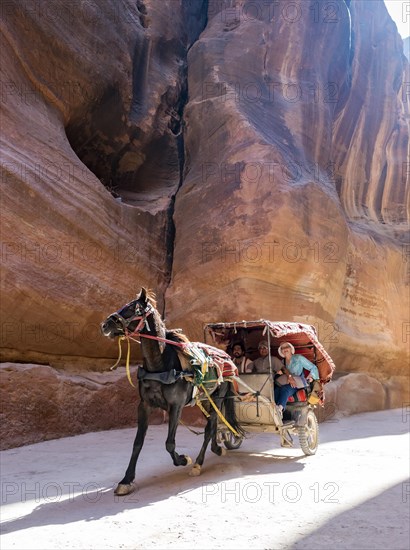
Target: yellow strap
column 127, row 365
column 218, row 412
column 199, row 404
column 119, row 353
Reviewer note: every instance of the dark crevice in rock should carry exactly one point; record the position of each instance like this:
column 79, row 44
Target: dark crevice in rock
column 177, row 128
column 196, row 20
column 143, row 169
column 140, row 166
column 142, row 14
column 141, row 57
column 378, row 199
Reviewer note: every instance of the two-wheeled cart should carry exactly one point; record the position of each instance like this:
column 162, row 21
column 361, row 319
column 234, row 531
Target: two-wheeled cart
column 255, row 405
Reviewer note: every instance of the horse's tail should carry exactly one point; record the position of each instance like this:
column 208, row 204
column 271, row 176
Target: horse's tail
column 229, row 410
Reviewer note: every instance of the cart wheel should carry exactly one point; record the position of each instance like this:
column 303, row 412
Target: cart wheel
column 309, row 434
column 231, row 441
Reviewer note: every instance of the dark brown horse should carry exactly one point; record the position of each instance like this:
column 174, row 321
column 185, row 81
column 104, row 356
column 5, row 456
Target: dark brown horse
column 162, row 383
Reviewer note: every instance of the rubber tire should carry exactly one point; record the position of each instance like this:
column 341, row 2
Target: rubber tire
column 309, row 434
column 232, row 442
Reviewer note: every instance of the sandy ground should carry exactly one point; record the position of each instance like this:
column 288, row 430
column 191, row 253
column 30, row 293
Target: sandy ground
column 355, row 493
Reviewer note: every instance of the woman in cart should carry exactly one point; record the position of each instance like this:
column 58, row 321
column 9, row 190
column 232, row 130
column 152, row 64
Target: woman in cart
column 294, row 366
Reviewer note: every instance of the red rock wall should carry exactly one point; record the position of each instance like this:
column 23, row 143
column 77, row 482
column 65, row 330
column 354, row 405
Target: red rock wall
column 295, row 197
column 371, row 133
column 86, row 92
column 51, row 404
column 243, row 159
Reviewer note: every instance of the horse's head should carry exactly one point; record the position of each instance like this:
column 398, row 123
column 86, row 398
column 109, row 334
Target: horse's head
column 129, row 317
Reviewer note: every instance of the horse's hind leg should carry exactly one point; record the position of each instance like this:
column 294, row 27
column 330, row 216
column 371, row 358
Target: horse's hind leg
column 210, row 432
column 174, row 417
column 215, row 448
column 125, row 485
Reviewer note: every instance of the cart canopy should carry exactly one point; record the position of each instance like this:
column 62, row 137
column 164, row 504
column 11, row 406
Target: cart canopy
column 303, row 337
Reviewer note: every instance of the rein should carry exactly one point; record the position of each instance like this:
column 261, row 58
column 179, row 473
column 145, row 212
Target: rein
column 142, row 320
column 136, row 332
column 128, row 336
column 140, row 335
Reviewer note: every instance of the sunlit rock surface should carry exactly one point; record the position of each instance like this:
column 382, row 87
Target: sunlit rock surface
column 88, row 94
column 242, row 159
column 296, row 191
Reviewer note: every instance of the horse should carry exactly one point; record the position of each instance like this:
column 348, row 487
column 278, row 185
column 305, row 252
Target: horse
column 163, row 384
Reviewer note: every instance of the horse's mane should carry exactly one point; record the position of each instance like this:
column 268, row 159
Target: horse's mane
column 151, row 298
column 176, row 335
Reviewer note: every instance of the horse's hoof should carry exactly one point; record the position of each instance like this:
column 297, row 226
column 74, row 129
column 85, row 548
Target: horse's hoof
column 220, row 451
column 188, row 460
column 124, row 489
column 196, row 470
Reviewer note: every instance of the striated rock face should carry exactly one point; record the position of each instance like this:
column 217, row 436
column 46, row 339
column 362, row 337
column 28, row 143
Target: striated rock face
column 243, row 159
column 371, row 134
column 272, row 240
column 51, row 404
column 88, row 92
column 295, row 197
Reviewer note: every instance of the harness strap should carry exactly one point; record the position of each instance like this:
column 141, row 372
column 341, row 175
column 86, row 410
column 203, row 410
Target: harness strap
column 127, row 364
column 119, row 353
column 190, row 429
column 179, row 344
column 218, row 412
column 167, row 377
column 200, row 407
column 198, row 402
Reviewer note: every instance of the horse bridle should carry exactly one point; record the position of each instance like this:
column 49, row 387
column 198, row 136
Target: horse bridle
column 140, row 314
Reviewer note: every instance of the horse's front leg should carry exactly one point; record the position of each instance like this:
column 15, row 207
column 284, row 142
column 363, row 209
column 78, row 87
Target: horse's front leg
column 125, row 485
column 174, row 418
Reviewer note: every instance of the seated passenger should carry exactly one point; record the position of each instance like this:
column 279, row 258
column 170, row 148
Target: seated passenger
column 294, row 365
column 261, row 364
column 238, row 357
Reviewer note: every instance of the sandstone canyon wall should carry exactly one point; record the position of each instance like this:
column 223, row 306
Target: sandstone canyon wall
column 91, row 94
column 243, row 159
column 299, row 150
